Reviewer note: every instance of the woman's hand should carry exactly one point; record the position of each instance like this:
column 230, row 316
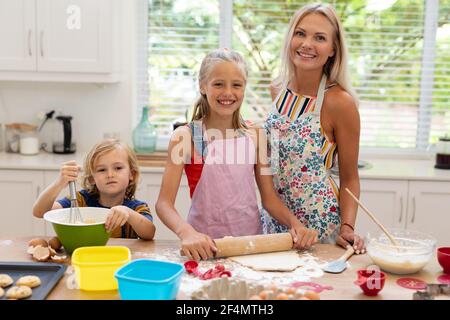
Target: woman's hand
column 117, row 217
column 68, row 172
column 197, row 246
column 303, row 237
column 348, row 237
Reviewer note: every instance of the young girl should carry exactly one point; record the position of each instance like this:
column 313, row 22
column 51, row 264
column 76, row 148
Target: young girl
column 315, row 114
column 220, row 156
column 110, row 178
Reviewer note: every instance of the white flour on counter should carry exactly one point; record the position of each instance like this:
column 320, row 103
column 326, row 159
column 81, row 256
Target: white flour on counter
column 311, row 268
column 6, row 242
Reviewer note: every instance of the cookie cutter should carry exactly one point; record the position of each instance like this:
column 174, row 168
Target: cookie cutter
column 312, row 286
column 432, row 290
column 218, row 271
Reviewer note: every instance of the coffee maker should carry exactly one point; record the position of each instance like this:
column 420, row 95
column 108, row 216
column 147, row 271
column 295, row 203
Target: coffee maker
column 62, row 141
column 443, row 153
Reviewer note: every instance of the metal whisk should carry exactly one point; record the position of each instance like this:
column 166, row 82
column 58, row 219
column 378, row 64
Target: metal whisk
column 74, row 213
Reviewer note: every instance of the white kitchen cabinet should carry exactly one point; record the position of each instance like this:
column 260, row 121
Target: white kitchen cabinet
column 17, row 37
column 60, row 40
column 429, row 209
column 415, row 205
column 387, row 200
column 18, row 191
column 148, row 191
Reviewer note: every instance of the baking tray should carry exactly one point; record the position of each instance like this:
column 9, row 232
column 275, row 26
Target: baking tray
column 49, row 273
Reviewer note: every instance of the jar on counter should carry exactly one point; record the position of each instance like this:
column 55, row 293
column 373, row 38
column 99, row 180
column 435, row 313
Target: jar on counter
column 12, row 137
column 2, row 139
column 29, row 140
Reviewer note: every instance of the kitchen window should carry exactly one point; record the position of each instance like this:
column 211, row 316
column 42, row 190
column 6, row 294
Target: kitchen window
column 399, row 59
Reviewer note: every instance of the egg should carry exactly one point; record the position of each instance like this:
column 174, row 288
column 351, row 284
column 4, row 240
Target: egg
column 41, row 253
column 54, row 243
column 38, row 242
column 312, row 295
column 282, row 296
column 266, row 294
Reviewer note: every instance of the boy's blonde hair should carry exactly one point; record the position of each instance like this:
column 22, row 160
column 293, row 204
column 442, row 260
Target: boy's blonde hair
column 201, row 107
column 336, row 67
column 100, row 149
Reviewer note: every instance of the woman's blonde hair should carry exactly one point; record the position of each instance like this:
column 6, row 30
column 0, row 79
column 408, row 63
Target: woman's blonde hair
column 201, row 107
column 100, row 149
column 336, row 67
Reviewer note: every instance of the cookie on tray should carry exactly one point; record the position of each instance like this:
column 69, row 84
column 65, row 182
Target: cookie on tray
column 29, row 281
column 18, row 292
column 5, row 280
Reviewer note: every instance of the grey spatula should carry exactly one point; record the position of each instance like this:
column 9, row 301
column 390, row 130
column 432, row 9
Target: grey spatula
column 339, row 265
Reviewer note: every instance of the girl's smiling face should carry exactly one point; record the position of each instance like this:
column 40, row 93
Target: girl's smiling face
column 312, row 42
column 224, row 89
column 112, row 172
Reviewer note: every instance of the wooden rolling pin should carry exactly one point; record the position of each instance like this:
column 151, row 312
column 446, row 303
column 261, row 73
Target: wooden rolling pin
column 238, row 246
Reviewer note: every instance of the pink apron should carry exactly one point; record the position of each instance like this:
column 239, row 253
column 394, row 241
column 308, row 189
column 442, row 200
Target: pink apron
column 224, row 201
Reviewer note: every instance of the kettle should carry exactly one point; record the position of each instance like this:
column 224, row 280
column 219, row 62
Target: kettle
column 443, row 153
column 62, row 142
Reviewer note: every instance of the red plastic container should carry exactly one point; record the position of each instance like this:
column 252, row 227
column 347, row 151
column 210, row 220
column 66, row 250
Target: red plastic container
column 443, row 255
column 371, row 282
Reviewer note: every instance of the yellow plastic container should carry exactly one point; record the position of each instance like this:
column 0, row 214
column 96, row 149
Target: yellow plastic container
column 95, row 266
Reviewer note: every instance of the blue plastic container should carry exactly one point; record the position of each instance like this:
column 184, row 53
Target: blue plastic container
column 146, row 279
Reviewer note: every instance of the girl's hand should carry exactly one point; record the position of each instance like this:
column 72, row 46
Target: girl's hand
column 303, row 237
column 197, row 246
column 68, row 172
column 117, row 217
column 348, row 237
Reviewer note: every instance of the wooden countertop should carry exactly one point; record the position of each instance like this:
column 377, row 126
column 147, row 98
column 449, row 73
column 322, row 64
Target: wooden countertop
column 343, row 287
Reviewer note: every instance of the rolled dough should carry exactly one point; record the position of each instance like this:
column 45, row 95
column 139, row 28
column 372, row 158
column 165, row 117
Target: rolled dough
column 273, row 261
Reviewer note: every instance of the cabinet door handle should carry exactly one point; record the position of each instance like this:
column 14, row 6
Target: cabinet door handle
column 414, row 210
column 29, row 43
column 41, row 37
column 401, row 209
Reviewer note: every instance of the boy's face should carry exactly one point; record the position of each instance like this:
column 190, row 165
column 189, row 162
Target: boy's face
column 224, row 89
column 112, row 172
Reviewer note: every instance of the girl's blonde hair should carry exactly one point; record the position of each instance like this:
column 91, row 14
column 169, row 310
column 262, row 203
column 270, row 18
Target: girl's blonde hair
column 201, row 107
column 100, row 149
column 336, row 67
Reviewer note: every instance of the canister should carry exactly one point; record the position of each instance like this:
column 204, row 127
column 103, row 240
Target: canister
column 29, row 140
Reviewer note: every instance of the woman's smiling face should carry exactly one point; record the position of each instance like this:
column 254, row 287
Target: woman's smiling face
column 312, row 42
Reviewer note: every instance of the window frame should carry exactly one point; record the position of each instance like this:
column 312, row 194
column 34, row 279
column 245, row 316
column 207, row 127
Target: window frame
column 423, row 149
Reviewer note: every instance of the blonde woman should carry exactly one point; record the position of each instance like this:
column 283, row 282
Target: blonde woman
column 315, row 116
column 220, row 157
column 111, row 174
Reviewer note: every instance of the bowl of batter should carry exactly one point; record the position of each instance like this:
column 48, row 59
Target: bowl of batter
column 413, row 252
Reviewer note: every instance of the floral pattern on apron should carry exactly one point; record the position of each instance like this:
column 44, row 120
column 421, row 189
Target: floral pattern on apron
column 301, row 164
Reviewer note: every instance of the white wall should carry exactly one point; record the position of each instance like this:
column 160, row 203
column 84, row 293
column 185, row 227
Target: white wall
column 96, row 109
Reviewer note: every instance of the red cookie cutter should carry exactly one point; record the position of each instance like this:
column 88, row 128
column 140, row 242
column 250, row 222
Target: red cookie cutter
column 218, row 271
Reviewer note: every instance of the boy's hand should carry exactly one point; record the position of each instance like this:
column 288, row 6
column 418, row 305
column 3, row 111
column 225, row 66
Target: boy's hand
column 197, row 246
column 117, row 217
column 68, row 172
column 303, row 237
